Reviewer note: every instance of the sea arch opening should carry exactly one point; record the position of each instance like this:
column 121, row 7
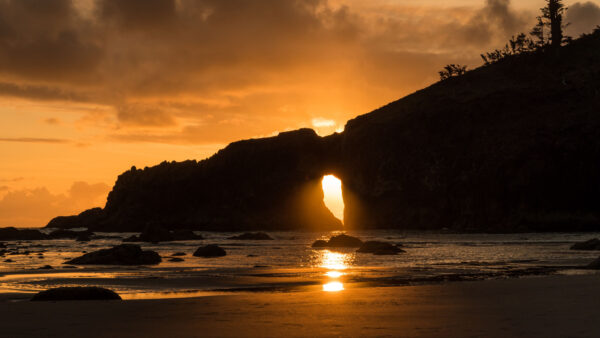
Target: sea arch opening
column 332, row 196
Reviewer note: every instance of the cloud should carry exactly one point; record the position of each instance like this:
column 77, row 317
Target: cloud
column 583, row 18
column 3, row 188
column 185, row 66
column 16, row 179
column 35, row 207
column 52, row 121
column 33, row 140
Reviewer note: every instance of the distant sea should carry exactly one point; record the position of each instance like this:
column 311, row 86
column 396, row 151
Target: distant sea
column 289, row 263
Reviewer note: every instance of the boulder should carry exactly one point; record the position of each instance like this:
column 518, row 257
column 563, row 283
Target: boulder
column 13, row 234
column 379, row 248
column 319, row 243
column 83, row 238
column 594, row 265
column 339, row 241
column 76, row 293
column 256, row 236
column 155, row 234
column 124, row 254
column 68, row 234
column 210, row 250
column 592, row 244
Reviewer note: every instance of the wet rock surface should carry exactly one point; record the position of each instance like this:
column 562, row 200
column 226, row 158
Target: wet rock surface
column 379, row 248
column 255, row 236
column 76, row 293
column 124, row 254
column 592, row 244
column 339, row 241
column 210, row 250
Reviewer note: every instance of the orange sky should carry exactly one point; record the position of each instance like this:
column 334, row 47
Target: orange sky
column 89, row 88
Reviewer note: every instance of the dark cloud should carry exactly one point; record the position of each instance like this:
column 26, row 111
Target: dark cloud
column 35, row 207
column 33, row 140
column 193, row 64
column 3, row 187
column 583, row 18
column 41, row 92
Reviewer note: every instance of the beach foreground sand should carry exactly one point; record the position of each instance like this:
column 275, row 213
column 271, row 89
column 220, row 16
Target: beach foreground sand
column 553, row 306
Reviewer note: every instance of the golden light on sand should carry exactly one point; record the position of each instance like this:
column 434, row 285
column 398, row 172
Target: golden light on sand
column 334, row 260
column 333, row 287
column 334, row 274
column 332, row 191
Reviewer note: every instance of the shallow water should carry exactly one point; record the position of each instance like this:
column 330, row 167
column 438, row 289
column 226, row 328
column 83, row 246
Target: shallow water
column 288, row 263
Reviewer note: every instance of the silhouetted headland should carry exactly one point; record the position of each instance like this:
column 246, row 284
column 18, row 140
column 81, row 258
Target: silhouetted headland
column 511, row 146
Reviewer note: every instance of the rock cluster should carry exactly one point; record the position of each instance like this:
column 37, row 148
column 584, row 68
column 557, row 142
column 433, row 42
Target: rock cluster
column 76, row 293
column 124, row 254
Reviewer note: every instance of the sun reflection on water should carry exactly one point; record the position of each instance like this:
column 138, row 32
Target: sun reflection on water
column 334, row 274
column 335, row 262
column 333, row 286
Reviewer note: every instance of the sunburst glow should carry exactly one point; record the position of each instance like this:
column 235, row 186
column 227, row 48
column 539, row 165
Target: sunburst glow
column 332, row 191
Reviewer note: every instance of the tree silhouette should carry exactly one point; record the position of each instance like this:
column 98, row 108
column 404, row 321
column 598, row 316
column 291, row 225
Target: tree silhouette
column 452, row 70
column 553, row 15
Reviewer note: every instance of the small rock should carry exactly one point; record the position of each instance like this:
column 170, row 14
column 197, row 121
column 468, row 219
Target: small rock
column 379, row 248
column 46, row 267
column 339, row 241
column 8, row 261
column 210, row 250
column 255, row 236
column 178, row 254
column 175, row 259
column 76, row 293
column 592, row 244
column 319, row 244
column 594, row 265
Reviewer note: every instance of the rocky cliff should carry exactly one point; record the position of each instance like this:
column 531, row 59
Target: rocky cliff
column 514, row 146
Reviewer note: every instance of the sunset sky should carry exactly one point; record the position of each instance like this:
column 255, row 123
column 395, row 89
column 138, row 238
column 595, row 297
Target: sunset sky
column 90, row 88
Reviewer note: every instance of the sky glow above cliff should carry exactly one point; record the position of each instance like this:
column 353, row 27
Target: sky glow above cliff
column 89, row 88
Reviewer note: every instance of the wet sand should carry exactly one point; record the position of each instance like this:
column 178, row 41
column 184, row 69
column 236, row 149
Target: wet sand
column 551, row 306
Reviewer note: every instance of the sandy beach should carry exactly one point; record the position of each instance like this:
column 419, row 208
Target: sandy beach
column 550, row 306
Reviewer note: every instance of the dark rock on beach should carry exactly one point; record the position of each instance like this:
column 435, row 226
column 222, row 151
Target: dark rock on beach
column 379, row 248
column 210, row 250
column 124, row 254
column 83, row 238
column 592, row 244
column 156, row 234
column 339, row 241
column 46, row 267
column 76, row 293
column 594, row 265
column 256, row 236
column 68, row 234
column 176, row 259
column 178, row 254
column 13, row 234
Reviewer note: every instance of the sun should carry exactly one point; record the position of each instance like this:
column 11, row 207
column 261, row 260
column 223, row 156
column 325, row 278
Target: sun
column 332, row 195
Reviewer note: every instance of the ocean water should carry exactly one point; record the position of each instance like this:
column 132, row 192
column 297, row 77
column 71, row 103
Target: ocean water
column 289, row 263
